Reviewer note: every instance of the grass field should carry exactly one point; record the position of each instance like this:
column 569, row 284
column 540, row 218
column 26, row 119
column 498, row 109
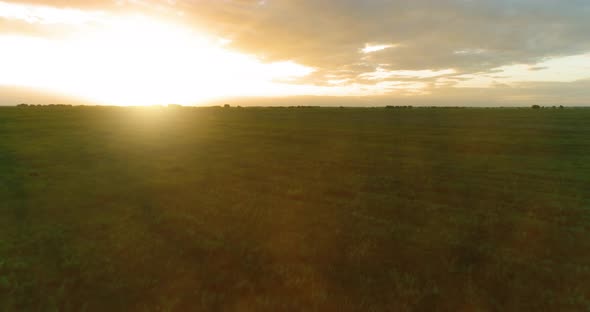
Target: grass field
column 294, row 209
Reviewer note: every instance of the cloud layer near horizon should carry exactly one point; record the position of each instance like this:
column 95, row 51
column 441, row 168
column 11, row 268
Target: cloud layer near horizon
column 433, row 47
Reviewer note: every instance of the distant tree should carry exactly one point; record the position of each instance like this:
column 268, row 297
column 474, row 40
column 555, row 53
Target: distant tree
column 561, row 107
column 398, row 107
column 23, row 105
column 536, row 107
column 226, row 106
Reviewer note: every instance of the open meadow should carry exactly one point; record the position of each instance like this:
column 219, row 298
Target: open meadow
column 294, row 209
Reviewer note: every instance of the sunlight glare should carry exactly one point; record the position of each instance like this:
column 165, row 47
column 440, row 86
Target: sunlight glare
column 140, row 61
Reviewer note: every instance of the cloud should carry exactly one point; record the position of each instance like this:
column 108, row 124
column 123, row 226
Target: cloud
column 428, row 31
column 327, row 33
column 468, row 37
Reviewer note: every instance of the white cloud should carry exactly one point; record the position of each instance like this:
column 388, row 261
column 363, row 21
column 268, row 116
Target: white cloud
column 381, row 74
column 558, row 69
column 48, row 15
column 374, row 48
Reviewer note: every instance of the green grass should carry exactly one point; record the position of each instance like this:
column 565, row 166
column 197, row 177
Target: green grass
column 277, row 209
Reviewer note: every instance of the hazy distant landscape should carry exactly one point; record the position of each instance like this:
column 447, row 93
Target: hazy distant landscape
column 294, row 209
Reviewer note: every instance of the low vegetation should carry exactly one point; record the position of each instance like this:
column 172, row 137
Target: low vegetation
column 304, row 209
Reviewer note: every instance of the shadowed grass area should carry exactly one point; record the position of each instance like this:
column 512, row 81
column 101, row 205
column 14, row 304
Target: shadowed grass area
column 309, row 209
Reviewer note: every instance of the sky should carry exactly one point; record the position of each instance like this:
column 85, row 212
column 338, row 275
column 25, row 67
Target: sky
column 325, row 52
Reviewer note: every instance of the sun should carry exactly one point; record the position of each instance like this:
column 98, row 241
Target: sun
column 138, row 60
